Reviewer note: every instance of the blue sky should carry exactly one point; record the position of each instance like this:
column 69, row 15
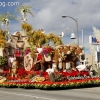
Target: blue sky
column 48, row 16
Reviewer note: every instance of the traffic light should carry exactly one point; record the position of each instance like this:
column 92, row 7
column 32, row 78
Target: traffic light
column 83, row 57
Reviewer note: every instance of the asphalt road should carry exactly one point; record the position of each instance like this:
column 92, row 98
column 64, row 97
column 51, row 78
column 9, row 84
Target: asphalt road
column 36, row 94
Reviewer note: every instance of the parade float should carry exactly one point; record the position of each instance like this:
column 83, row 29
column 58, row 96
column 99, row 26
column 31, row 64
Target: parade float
column 40, row 65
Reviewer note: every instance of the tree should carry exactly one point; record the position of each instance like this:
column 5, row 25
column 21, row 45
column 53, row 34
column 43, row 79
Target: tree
column 5, row 19
column 2, row 39
column 36, row 37
column 55, row 39
column 27, row 28
column 24, row 10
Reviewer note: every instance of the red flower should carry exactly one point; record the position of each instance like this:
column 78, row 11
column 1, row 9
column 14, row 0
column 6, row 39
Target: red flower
column 39, row 57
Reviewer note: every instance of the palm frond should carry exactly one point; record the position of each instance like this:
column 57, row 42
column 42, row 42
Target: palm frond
column 1, row 17
column 7, row 14
column 23, row 7
column 19, row 9
column 30, row 12
column 26, row 8
column 10, row 16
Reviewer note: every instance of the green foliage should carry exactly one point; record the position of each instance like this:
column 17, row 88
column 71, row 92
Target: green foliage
column 55, row 39
column 2, row 39
column 56, row 77
column 25, row 8
column 37, row 66
column 3, row 60
column 26, row 27
column 7, row 15
column 98, row 71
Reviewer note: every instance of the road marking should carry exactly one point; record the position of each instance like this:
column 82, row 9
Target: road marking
column 28, row 95
column 88, row 89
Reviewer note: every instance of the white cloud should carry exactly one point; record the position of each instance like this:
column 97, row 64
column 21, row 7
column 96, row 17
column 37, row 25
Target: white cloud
column 47, row 15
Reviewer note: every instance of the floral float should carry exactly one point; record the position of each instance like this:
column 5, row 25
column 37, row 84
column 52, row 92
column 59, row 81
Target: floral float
column 38, row 78
column 60, row 80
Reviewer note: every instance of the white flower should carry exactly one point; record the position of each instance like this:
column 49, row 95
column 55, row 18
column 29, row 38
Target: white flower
column 49, row 71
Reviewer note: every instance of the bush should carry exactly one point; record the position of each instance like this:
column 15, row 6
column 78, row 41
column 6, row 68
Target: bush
column 98, row 71
column 3, row 60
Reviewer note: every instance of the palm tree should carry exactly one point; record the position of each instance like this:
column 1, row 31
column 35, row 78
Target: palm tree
column 5, row 19
column 24, row 10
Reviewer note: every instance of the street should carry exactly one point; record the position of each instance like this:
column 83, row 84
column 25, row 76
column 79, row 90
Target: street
column 37, row 94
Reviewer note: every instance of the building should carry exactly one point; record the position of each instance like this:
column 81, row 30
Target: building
column 91, row 59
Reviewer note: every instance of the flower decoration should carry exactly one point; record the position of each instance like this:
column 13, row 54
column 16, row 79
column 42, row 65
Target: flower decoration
column 47, row 51
column 27, row 51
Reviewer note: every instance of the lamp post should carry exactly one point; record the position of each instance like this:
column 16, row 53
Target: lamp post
column 82, row 38
column 83, row 48
column 83, row 41
column 72, row 34
column 76, row 26
column 69, row 29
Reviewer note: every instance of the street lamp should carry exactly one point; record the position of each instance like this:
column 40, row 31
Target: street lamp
column 76, row 26
column 72, row 34
column 82, row 40
column 83, row 48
